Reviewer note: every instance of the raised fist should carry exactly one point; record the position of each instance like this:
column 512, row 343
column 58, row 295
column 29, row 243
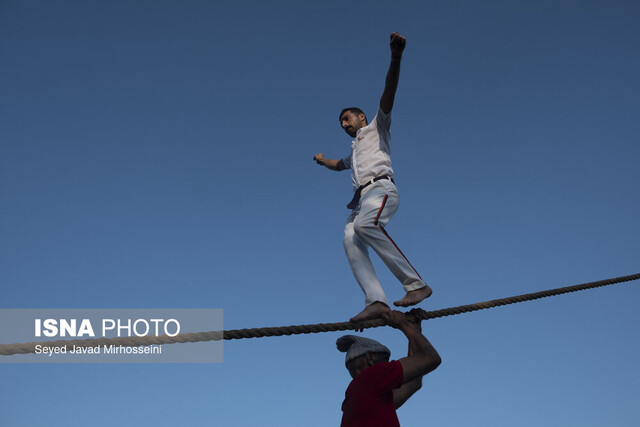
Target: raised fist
column 397, row 44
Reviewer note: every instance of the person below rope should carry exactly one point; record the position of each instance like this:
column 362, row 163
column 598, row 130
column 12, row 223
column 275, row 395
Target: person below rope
column 375, row 200
column 379, row 387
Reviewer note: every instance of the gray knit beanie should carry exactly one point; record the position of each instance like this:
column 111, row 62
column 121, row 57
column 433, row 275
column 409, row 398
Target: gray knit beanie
column 356, row 346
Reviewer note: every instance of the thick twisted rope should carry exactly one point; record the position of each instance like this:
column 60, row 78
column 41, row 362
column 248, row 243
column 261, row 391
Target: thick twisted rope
column 9, row 349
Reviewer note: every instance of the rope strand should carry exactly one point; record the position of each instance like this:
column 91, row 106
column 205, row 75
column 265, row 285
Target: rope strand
column 25, row 348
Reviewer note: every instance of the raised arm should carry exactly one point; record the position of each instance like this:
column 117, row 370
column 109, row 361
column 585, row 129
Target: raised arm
column 333, row 164
column 397, row 44
column 421, row 359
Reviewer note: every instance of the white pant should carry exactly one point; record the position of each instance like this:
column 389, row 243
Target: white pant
column 365, row 228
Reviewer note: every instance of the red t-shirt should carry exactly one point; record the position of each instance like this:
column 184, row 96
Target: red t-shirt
column 368, row 401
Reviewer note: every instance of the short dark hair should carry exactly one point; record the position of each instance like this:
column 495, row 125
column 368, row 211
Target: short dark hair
column 354, row 110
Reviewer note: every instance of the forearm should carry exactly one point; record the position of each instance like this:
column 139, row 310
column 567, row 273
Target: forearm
column 393, row 75
column 333, row 164
column 419, row 345
column 397, row 44
column 390, row 85
column 416, row 384
column 422, row 357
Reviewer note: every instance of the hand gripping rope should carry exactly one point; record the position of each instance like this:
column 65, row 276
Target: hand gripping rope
column 9, row 349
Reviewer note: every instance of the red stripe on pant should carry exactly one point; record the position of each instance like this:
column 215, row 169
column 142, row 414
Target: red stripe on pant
column 384, row 202
column 375, row 222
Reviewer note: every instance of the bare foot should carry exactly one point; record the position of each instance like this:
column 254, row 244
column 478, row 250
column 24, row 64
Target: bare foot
column 414, row 297
column 373, row 311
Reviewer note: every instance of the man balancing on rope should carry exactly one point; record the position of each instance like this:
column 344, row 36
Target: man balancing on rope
column 375, row 199
column 379, row 387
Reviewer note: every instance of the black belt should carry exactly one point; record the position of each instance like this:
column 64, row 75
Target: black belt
column 356, row 196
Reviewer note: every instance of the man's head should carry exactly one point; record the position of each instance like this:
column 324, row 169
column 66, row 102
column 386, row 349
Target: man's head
column 352, row 119
column 361, row 353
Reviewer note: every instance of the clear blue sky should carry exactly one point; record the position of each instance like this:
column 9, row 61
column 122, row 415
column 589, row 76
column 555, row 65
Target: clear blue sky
column 158, row 154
